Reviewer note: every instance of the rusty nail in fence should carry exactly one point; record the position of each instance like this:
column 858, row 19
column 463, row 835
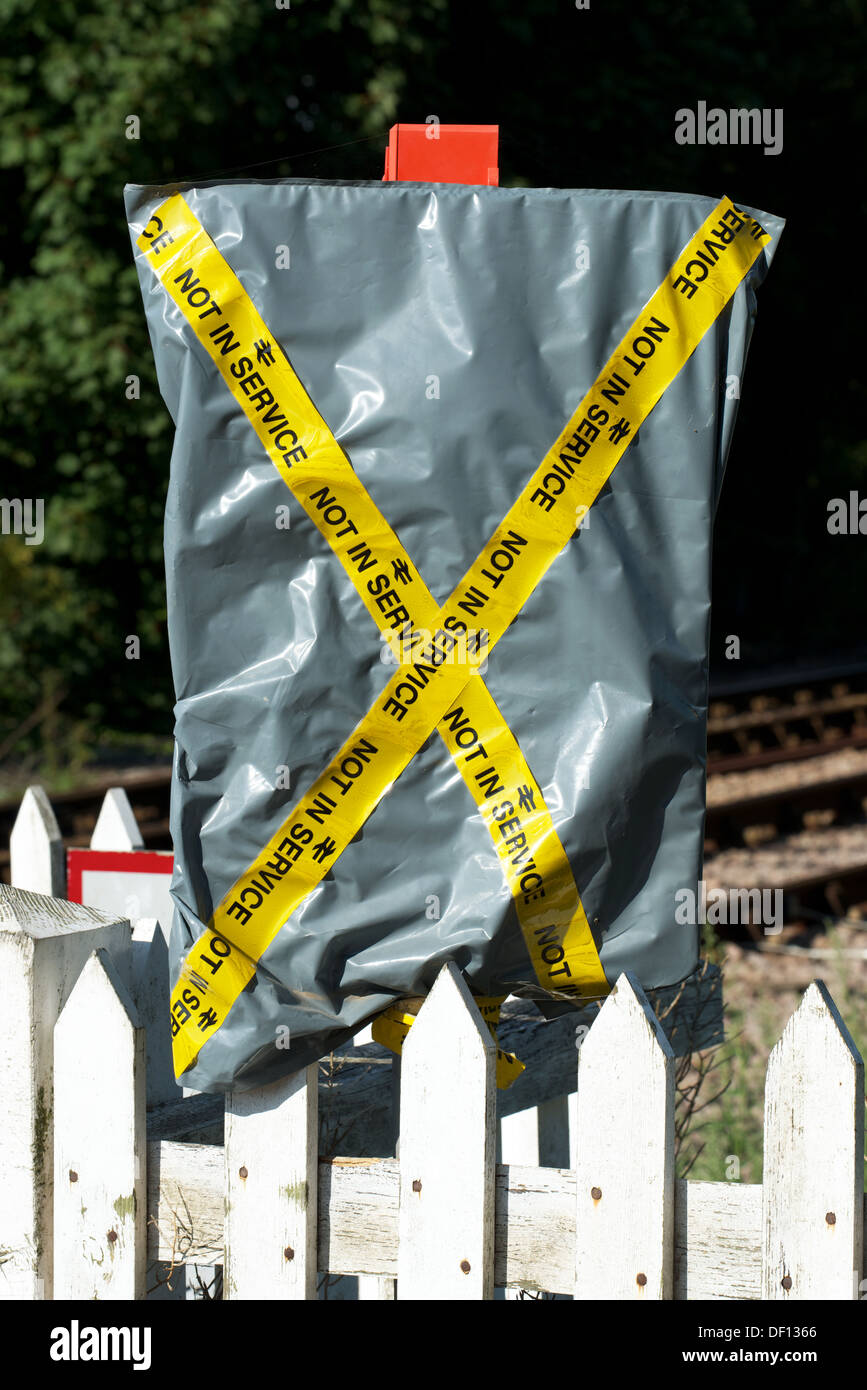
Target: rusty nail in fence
column 288, row 1253
column 831, row 1218
column 416, row 1184
column 596, row 1193
column 73, row 1176
column 465, row 1266
column 641, row 1280
column 786, row 1282
column 112, row 1235
column 242, row 1172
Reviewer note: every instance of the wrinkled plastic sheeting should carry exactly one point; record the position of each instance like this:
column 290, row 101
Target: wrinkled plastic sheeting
column 446, row 334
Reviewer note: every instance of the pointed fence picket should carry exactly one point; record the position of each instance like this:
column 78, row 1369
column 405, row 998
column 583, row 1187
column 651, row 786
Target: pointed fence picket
column 116, row 826
column 36, row 858
column 813, row 1193
column 624, row 1177
column 44, row 944
column 447, row 1148
column 443, row 1220
column 99, row 1140
column 271, row 1189
column 536, row 1118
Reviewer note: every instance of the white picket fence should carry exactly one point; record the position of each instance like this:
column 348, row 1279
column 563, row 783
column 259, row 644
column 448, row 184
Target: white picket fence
column 87, row 1200
column 94, row 1198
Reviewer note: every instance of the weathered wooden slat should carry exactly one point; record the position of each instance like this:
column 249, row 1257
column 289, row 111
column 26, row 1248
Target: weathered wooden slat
column 271, row 1197
column 447, row 1148
column 625, row 1153
column 186, row 1203
column 717, row 1240
column 536, row 1137
column 358, row 1216
column 99, row 1140
column 718, row 1232
column 44, row 943
column 813, row 1177
column 534, row 1229
column 36, row 858
column 534, row 1222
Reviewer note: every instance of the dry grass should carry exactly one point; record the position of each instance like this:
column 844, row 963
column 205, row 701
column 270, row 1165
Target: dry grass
column 720, row 1107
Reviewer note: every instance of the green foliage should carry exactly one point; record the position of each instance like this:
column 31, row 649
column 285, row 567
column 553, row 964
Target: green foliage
column 212, row 86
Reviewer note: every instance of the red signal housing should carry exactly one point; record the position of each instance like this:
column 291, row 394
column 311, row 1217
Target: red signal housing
column 435, row 153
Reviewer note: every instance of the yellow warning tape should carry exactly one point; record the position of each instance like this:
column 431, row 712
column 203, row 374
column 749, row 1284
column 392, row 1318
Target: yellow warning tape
column 527, row 842
column 390, row 1028
column 496, row 586
column 484, row 749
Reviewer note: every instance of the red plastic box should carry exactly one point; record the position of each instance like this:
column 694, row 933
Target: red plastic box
column 434, row 153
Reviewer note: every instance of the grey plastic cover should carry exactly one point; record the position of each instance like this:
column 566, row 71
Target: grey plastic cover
column 446, row 334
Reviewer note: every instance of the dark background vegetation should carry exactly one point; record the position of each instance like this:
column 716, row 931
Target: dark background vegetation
column 583, row 99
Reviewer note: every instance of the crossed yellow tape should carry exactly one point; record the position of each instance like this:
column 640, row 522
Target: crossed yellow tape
column 437, row 682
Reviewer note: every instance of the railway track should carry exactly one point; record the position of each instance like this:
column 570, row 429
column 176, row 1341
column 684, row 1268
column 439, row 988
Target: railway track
column 795, row 719
column 820, row 874
column 743, row 806
column 787, row 794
